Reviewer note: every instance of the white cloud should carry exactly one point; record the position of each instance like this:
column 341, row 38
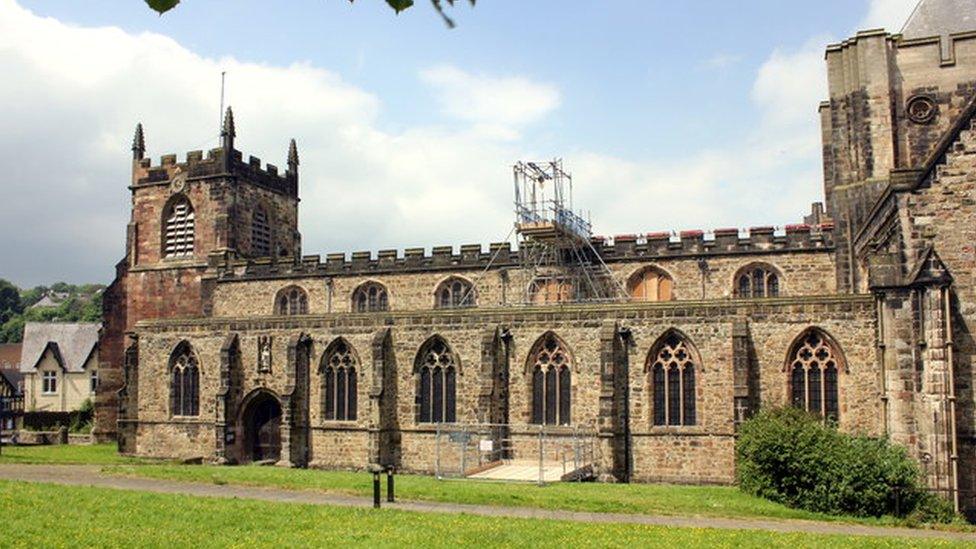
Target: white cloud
column 73, row 94
column 791, row 84
column 497, row 104
column 890, row 15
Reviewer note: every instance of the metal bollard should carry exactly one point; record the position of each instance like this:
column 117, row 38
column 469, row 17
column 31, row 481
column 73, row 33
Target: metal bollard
column 376, row 489
column 389, row 484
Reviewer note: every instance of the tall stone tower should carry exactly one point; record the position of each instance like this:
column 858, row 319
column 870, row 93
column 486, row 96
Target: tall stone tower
column 892, row 98
column 899, row 138
column 183, row 215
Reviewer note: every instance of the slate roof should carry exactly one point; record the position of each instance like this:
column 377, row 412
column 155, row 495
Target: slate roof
column 940, row 18
column 14, row 380
column 72, row 342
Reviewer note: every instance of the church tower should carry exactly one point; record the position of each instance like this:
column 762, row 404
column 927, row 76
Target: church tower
column 892, row 98
column 899, row 136
column 184, row 215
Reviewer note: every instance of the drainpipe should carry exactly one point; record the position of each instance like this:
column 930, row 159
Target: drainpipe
column 882, row 354
column 329, row 287
column 950, row 369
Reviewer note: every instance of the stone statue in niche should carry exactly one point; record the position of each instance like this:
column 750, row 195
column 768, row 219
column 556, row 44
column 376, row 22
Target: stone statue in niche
column 264, row 353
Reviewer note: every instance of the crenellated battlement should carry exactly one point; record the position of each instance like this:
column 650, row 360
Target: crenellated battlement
column 198, row 166
column 621, row 248
column 223, row 161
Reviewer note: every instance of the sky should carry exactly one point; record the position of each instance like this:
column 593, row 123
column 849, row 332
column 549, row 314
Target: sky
column 669, row 115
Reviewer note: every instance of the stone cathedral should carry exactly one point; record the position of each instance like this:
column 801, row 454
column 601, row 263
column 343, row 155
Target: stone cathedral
column 222, row 341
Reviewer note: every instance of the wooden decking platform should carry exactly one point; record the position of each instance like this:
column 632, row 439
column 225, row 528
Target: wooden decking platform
column 528, row 471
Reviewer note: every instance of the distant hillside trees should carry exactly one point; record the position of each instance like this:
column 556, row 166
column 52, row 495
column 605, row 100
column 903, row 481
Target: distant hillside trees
column 65, row 303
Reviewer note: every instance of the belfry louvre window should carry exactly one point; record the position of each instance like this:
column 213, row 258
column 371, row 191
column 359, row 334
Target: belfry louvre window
column 291, row 301
column 260, row 233
column 551, row 382
column 454, row 293
column 370, row 297
column 437, row 383
column 184, row 382
column 179, row 227
column 672, row 367
column 650, row 284
column 813, row 367
column 339, row 383
column 757, row 281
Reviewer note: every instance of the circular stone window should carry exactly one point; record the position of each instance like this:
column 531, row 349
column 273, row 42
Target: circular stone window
column 921, row 109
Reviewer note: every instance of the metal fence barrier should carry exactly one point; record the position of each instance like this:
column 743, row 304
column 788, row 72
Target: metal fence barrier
column 499, row 452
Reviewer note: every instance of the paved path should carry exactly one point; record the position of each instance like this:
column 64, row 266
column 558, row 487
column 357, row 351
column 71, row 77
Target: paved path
column 88, row 475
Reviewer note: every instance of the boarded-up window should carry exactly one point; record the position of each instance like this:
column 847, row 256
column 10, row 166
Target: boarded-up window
column 179, row 229
column 550, row 290
column 650, row 284
column 551, row 382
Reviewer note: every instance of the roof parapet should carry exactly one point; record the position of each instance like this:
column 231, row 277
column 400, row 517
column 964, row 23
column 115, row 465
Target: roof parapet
column 634, row 247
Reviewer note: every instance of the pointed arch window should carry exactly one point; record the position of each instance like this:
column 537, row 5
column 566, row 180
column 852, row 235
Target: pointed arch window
column 455, row 293
column 813, row 365
column 650, row 284
column 291, row 301
column 178, row 229
column 370, row 297
column 184, row 382
column 673, row 365
column 260, row 233
column 758, row 280
column 436, row 370
column 551, row 365
column 339, row 382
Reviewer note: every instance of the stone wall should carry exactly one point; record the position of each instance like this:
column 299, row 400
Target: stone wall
column 802, row 273
column 943, row 219
column 699, row 453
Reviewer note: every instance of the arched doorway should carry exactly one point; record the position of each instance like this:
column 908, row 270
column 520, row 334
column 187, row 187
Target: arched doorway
column 262, row 428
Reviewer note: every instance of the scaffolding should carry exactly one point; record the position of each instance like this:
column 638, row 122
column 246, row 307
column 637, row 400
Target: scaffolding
column 557, row 260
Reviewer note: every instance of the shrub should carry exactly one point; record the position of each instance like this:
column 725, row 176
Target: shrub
column 81, row 422
column 790, row 456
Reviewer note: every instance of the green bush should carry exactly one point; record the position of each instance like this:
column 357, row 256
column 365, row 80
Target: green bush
column 81, row 422
column 792, row 457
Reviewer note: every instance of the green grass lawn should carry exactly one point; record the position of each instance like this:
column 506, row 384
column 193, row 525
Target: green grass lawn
column 46, row 515
column 98, row 454
column 648, row 499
